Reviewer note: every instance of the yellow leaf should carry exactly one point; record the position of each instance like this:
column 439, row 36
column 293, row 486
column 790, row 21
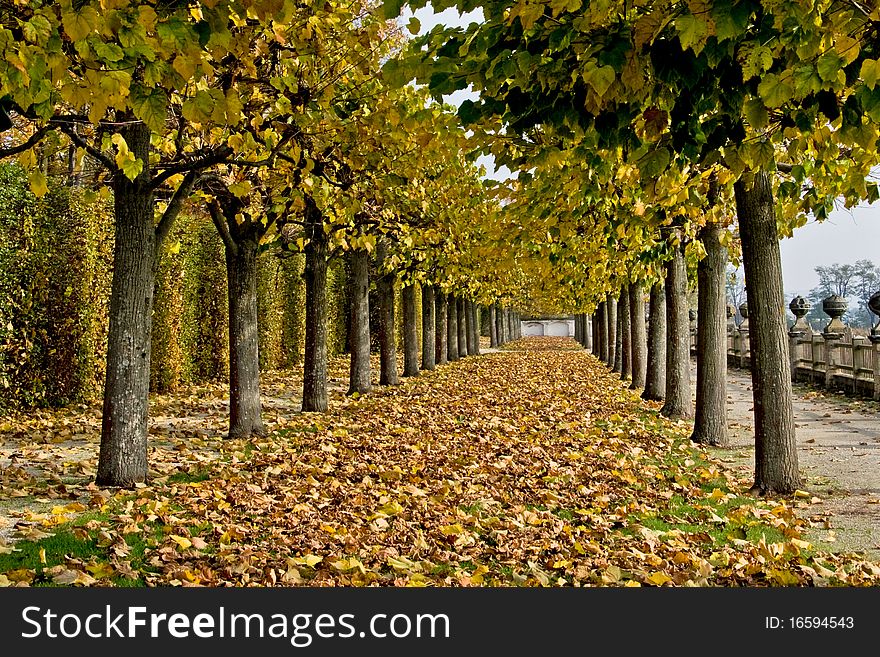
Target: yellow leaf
column 101, row 570
column 39, row 184
column 351, row 563
column 182, row 541
column 391, row 509
column 659, row 578
column 452, row 530
column 309, row 560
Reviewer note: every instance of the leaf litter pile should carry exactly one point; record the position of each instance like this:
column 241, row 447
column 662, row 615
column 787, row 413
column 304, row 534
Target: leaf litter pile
column 531, row 466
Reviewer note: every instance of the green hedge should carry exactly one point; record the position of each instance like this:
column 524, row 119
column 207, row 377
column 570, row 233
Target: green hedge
column 55, row 260
column 55, row 272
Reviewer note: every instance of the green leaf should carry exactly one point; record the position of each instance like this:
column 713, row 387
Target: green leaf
column 79, row 25
column 774, row 91
column 692, row 31
column 414, row 26
column 600, row 78
column 109, row 52
column 870, row 72
column 828, row 66
column 150, row 107
column 36, row 30
column 654, row 162
column 756, row 114
column 391, row 8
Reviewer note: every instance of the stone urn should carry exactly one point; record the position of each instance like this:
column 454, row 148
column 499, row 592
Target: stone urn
column 834, row 306
column 799, row 308
column 744, row 313
column 874, row 307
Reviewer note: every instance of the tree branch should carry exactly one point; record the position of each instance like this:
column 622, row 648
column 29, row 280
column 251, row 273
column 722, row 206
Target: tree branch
column 68, row 129
column 219, row 220
column 217, row 157
column 174, row 207
column 30, row 143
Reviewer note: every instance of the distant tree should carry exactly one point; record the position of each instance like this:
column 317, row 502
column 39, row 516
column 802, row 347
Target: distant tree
column 856, row 282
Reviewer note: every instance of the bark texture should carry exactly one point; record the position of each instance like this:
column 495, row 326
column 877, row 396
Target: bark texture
column 625, row 334
column 440, row 326
column 122, row 459
column 244, row 354
column 611, row 313
column 678, row 402
column 452, row 328
column 655, row 377
column 477, row 313
column 410, row 330
column 359, row 322
column 315, row 274
column 469, row 327
column 388, row 375
column 462, row 328
column 710, row 425
column 638, row 338
column 493, row 327
column 428, row 323
column 776, row 463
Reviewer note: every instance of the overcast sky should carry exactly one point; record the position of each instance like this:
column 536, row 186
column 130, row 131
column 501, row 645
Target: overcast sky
column 845, row 237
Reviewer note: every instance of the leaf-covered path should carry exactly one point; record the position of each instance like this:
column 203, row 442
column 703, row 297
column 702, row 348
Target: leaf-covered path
column 529, row 466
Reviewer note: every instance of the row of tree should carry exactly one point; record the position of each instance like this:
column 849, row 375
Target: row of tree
column 271, row 116
column 649, row 136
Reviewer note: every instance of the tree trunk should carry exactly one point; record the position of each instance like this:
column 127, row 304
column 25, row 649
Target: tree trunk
column 595, row 324
column 602, row 312
column 440, row 327
column 315, row 366
column 359, row 335
column 460, row 309
column 499, row 324
column 410, row 331
column 625, row 334
column 469, row 327
column 388, row 375
column 637, row 337
column 475, row 312
column 776, row 464
column 618, row 341
column 493, row 327
column 478, row 325
column 710, row 425
column 452, row 329
column 244, row 354
column 428, row 321
column 611, row 312
column 655, row 377
column 588, row 332
column 577, row 329
column 122, row 460
column 678, row 402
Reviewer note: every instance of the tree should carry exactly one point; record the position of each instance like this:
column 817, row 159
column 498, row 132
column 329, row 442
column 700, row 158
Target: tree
column 136, row 89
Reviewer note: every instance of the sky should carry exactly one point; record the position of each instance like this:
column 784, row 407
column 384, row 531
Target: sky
column 846, row 236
